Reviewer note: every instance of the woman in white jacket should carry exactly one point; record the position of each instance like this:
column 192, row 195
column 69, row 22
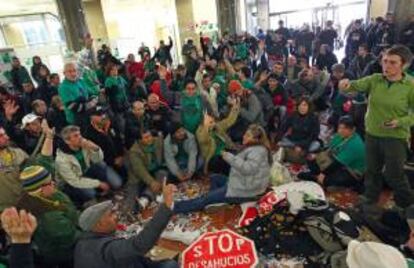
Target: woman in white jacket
column 248, row 178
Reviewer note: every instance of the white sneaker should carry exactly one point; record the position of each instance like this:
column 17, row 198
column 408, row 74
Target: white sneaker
column 177, row 234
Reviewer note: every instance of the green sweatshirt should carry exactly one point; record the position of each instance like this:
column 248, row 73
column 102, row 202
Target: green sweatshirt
column 192, row 112
column 91, row 82
column 72, row 93
column 350, row 153
column 120, row 94
column 387, row 101
column 56, row 233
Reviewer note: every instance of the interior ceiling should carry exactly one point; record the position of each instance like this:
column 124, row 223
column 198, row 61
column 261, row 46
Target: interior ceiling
column 17, row 7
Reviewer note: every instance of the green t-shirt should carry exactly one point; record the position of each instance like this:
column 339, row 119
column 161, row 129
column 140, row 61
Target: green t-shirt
column 81, row 159
column 182, row 155
column 220, row 144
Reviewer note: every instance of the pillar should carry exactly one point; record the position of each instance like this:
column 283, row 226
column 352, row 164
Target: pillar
column 95, row 20
column 402, row 10
column 73, row 21
column 263, row 14
column 226, row 10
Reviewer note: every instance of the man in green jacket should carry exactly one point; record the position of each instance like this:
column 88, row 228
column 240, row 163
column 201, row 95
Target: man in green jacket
column 57, row 217
column 75, row 96
column 388, row 121
column 146, row 167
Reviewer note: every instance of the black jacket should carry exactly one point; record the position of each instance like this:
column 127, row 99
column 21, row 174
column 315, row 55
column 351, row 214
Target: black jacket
column 160, row 119
column 326, row 61
column 110, row 143
column 303, row 130
column 28, row 98
column 56, row 119
column 106, row 251
column 133, row 128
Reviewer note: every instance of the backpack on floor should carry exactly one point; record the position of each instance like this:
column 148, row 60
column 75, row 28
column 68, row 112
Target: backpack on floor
column 331, row 228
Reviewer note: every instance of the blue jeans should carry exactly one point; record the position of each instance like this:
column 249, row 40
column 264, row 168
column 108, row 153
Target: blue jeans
column 217, row 194
column 99, row 171
column 313, row 147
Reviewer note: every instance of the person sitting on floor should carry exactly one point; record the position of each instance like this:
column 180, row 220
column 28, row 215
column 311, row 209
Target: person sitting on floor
column 146, row 168
column 80, row 165
column 136, row 121
column 249, row 174
column 159, row 115
column 302, row 129
column 57, row 216
column 101, row 132
column 180, row 152
column 343, row 163
column 212, row 138
column 98, row 247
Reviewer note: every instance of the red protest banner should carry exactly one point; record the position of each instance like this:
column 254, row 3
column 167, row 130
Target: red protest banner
column 220, row 249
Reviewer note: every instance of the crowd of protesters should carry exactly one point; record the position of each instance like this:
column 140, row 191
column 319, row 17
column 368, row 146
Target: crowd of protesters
column 135, row 128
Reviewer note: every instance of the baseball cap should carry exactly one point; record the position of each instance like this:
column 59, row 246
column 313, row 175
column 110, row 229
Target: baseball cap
column 373, row 255
column 90, row 216
column 29, row 118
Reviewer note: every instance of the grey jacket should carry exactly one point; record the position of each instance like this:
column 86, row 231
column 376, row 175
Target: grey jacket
column 106, row 251
column 171, row 151
column 253, row 112
column 69, row 170
column 249, row 173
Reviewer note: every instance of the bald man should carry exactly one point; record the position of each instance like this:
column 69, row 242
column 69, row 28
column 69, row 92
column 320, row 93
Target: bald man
column 75, row 96
column 159, row 114
column 136, row 121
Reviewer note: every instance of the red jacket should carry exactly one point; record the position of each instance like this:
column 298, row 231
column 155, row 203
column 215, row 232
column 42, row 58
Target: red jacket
column 136, row 69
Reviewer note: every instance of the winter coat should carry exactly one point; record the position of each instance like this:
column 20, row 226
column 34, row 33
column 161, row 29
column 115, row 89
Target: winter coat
column 69, row 170
column 95, row 250
column 302, row 130
column 139, row 162
column 19, row 76
column 57, row 230
column 10, row 168
column 205, row 138
column 110, row 143
column 171, row 151
column 74, row 96
column 249, row 173
column 134, row 127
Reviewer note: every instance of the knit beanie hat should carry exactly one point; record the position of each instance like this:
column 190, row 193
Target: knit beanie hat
column 234, row 86
column 33, row 177
column 373, row 255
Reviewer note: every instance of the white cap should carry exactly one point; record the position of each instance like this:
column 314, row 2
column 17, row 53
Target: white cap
column 29, row 118
column 374, row 255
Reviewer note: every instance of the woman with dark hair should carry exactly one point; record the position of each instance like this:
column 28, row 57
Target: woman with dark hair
column 342, row 163
column 35, row 70
column 248, row 178
column 302, row 129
